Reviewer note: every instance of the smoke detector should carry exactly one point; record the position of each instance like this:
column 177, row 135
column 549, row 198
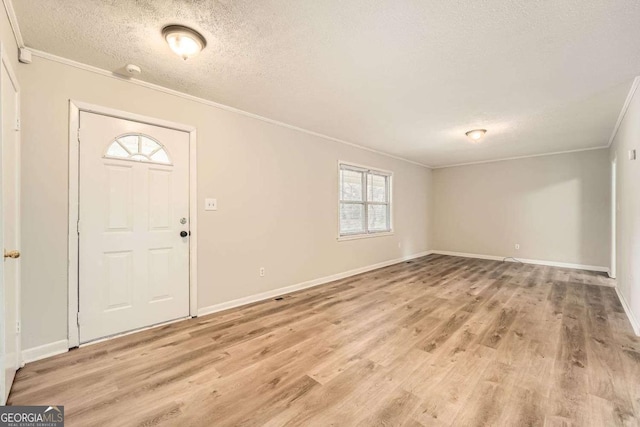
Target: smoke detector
column 132, row 69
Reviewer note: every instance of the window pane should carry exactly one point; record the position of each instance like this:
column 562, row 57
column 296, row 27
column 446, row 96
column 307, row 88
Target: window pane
column 140, row 148
column 376, row 188
column 148, row 145
column 116, row 150
column 160, row 157
column 130, row 142
column 351, row 186
column 378, row 218
column 351, row 218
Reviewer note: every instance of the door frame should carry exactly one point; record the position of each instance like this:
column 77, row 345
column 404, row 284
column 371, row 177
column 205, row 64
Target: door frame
column 614, row 218
column 75, row 108
column 4, row 62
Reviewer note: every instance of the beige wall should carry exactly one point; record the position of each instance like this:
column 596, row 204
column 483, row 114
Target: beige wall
column 556, row 207
column 628, row 208
column 276, row 190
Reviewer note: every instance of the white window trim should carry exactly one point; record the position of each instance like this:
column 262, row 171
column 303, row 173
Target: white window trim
column 366, row 235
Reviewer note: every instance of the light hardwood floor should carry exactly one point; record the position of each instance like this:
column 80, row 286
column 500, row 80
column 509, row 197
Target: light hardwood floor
column 435, row 341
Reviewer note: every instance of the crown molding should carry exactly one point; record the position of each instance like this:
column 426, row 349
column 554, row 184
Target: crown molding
column 555, row 153
column 625, row 107
column 152, row 86
column 106, row 73
column 13, row 21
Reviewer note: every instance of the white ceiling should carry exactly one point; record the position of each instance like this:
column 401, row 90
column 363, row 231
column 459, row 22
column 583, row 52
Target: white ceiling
column 403, row 77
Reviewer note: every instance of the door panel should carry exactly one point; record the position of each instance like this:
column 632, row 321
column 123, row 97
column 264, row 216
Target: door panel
column 159, row 199
column 10, row 235
column 118, row 281
column 133, row 194
column 160, row 274
column 119, row 213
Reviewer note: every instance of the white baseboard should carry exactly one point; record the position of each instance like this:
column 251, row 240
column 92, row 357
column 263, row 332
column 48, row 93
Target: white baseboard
column 304, row 285
column 44, row 351
column 632, row 319
column 527, row 261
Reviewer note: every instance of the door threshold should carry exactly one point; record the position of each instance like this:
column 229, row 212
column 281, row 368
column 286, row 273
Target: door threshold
column 133, row 331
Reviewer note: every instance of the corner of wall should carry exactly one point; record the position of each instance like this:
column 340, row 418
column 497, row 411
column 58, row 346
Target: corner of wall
column 43, row 351
column 430, row 211
column 632, row 318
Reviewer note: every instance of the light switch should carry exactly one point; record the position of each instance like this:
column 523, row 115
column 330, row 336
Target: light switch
column 210, row 204
column 632, row 154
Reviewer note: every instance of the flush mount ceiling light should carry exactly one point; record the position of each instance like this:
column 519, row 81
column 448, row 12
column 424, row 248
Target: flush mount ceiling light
column 184, row 41
column 476, row 135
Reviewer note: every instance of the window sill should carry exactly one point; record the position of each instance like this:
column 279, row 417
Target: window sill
column 364, row 236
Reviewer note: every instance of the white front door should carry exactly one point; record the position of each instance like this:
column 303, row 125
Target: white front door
column 10, row 233
column 133, row 225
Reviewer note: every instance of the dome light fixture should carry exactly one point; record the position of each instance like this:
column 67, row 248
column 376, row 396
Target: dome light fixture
column 184, row 41
column 476, row 135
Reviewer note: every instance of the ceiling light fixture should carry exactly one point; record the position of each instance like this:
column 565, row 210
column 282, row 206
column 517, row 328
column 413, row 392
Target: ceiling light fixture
column 476, row 134
column 184, row 41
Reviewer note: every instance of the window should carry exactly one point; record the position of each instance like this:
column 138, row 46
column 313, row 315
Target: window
column 365, row 201
column 137, row 147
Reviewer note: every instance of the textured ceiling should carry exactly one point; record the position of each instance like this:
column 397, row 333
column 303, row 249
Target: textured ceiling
column 404, row 77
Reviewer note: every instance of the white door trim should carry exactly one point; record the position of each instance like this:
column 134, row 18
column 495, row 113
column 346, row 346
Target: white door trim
column 75, row 107
column 14, row 80
column 4, row 62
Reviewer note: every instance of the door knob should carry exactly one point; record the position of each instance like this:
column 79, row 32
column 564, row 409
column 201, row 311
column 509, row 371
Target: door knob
column 182, row 234
column 11, row 254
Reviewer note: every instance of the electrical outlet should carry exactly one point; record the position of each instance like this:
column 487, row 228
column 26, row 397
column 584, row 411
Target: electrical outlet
column 261, row 271
column 517, row 246
column 210, row 204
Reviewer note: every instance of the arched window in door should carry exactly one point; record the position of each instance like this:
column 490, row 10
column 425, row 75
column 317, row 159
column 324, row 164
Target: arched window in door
column 139, row 148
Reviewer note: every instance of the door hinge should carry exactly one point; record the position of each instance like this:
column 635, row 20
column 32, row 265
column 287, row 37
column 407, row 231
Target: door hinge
column 18, row 327
column 78, row 318
column 78, row 227
column 79, row 134
column 17, row 123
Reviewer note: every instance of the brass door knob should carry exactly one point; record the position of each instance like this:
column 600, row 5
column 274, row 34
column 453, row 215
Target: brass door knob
column 11, row 254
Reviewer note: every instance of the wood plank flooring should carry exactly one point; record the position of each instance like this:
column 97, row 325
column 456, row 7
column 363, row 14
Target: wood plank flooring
column 436, row 341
